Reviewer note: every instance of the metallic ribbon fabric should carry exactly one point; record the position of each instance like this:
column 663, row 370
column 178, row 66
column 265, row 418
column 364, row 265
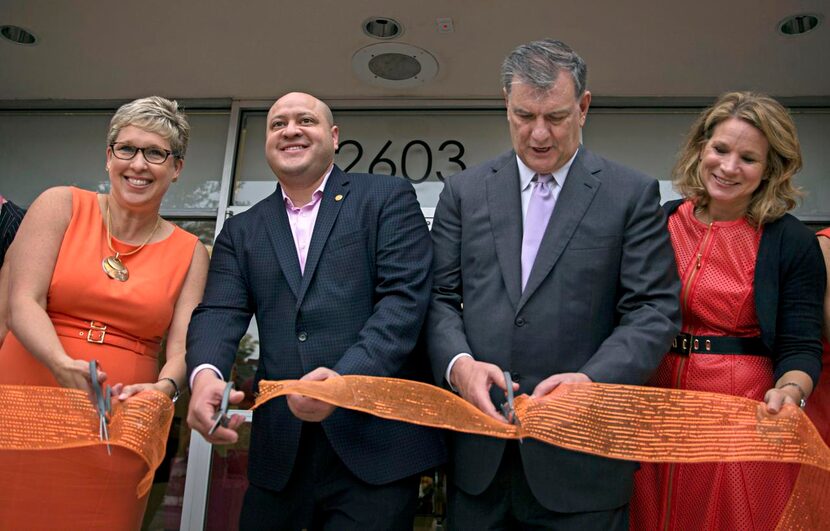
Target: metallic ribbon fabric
column 53, row 418
column 617, row 421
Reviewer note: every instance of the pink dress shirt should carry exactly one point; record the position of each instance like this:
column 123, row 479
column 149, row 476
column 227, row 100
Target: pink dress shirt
column 301, row 219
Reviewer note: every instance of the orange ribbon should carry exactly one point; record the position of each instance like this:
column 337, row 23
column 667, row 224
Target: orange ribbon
column 53, row 418
column 616, row 421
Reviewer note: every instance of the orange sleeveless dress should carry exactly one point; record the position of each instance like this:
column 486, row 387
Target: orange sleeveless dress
column 121, row 325
column 136, row 313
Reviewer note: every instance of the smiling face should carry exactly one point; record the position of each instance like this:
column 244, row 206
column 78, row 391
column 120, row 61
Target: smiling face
column 137, row 182
column 300, row 138
column 545, row 126
column 732, row 165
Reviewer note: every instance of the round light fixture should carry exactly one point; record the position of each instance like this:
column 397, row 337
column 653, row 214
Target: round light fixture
column 798, row 24
column 18, row 35
column 382, row 28
column 394, row 65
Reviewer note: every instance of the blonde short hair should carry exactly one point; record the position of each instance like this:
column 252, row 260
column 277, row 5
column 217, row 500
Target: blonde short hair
column 777, row 194
column 157, row 115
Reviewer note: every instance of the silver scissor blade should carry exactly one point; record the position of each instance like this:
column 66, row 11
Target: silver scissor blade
column 103, row 433
column 220, row 418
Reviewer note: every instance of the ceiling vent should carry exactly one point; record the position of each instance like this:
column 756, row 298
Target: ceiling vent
column 394, row 65
column 798, row 24
column 382, row 28
column 18, row 35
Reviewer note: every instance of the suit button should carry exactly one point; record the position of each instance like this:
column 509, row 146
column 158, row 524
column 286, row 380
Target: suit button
column 520, row 321
column 516, row 377
column 302, row 336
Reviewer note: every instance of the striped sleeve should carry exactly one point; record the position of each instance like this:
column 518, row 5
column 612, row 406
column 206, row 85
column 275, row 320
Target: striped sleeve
column 10, row 218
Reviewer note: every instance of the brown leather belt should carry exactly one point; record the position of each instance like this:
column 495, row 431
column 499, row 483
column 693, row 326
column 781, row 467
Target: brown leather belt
column 691, row 344
column 98, row 332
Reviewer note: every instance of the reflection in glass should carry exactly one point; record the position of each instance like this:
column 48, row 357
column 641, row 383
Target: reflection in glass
column 424, row 146
column 247, row 359
column 253, row 178
column 204, row 229
column 76, row 143
column 199, row 183
column 228, row 482
column 164, row 508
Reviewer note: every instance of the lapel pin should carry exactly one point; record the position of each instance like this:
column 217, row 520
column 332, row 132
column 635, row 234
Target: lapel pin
column 338, row 197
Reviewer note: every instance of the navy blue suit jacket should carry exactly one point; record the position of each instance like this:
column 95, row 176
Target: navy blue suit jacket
column 356, row 309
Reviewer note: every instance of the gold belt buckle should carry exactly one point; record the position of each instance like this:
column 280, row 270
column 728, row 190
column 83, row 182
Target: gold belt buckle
column 93, row 328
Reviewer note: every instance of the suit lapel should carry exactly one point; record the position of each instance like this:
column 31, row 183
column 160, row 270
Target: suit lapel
column 334, row 195
column 505, row 208
column 282, row 239
column 576, row 196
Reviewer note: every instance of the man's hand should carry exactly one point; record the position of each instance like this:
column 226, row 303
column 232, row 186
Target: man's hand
column 311, row 409
column 205, row 399
column 552, row 382
column 473, row 379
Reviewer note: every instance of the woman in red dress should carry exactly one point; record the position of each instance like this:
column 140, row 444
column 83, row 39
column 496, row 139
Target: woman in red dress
column 753, row 282
column 819, row 407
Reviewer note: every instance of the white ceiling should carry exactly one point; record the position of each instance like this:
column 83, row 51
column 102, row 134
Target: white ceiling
column 258, row 49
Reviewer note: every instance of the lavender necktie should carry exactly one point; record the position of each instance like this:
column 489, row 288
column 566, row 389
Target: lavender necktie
column 539, row 210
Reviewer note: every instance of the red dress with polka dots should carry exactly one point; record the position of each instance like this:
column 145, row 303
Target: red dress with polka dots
column 716, row 264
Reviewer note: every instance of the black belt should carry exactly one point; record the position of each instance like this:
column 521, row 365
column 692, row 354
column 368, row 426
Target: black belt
column 691, row 344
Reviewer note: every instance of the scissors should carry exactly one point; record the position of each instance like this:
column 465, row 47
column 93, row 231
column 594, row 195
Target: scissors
column 508, row 408
column 103, row 403
column 220, row 418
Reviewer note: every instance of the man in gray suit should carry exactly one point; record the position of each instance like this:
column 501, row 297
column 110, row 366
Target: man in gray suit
column 555, row 264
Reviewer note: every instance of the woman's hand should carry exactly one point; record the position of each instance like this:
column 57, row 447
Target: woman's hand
column 74, row 374
column 776, row 398
column 791, row 388
column 123, row 392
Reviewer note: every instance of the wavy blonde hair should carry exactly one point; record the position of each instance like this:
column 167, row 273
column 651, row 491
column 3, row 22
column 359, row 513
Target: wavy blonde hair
column 776, row 194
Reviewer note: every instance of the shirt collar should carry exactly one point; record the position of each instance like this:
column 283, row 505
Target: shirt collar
column 526, row 174
column 316, row 195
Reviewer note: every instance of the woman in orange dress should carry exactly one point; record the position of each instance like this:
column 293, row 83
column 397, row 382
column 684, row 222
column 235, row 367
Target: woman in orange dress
column 102, row 277
column 753, row 282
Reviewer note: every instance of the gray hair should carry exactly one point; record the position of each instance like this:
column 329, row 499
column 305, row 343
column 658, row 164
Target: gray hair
column 157, row 115
column 538, row 64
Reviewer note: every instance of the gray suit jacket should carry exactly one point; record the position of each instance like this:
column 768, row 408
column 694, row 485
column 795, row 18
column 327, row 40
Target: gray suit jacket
column 602, row 299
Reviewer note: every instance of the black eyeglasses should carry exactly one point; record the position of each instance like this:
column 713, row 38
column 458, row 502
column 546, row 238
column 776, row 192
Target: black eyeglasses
column 153, row 155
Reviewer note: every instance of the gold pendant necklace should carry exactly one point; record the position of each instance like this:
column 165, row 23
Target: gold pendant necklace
column 115, row 268
column 112, row 265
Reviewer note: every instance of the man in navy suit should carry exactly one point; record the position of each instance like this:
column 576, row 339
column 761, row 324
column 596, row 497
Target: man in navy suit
column 336, row 269
column 555, row 264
